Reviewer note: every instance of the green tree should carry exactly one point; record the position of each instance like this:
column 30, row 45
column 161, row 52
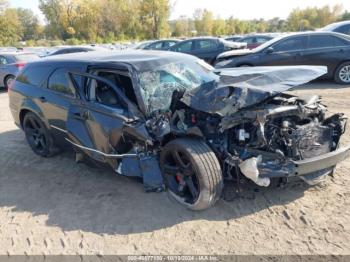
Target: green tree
column 203, row 21
column 10, row 27
column 154, row 15
column 31, row 28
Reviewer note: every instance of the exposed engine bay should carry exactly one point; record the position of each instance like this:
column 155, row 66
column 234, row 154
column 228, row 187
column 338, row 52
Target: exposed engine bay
column 284, row 127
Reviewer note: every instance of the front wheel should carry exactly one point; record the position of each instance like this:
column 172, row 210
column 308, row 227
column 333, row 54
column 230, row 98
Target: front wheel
column 192, row 173
column 342, row 74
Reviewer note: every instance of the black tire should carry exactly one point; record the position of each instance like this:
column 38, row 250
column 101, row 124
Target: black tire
column 37, row 135
column 199, row 169
column 341, row 76
column 8, row 79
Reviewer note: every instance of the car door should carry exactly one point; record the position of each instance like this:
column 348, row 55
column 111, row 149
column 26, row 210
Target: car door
column 207, row 49
column 287, row 51
column 326, row 50
column 97, row 123
column 57, row 94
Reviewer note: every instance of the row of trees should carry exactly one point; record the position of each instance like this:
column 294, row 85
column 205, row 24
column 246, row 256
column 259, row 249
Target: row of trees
column 76, row 21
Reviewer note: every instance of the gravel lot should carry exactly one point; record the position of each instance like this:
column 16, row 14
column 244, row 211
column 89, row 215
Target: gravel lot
column 55, row 206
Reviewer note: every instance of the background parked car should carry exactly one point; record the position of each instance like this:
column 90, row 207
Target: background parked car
column 340, row 27
column 254, row 41
column 160, row 44
column 69, row 50
column 312, row 48
column 11, row 64
column 206, row 48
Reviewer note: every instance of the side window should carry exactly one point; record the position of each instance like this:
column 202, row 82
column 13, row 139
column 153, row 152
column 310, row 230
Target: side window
column 261, row 39
column 168, row 44
column 345, row 29
column 249, row 40
column 290, row 44
column 207, row 44
column 33, row 75
column 184, row 47
column 322, row 41
column 155, row 46
column 122, row 82
column 59, row 82
column 104, row 94
column 3, row 60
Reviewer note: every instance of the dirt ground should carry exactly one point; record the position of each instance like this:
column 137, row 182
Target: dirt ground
column 55, row 206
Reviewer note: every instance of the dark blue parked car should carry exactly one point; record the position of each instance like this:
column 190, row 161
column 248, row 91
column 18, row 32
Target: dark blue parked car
column 206, row 48
column 310, row 48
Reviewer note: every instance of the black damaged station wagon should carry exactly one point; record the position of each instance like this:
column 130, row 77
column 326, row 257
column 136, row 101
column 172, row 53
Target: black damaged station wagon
column 172, row 120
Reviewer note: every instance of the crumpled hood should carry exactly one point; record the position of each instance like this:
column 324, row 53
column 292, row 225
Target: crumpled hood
column 243, row 87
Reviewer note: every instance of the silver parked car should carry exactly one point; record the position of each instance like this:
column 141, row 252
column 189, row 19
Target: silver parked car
column 11, row 63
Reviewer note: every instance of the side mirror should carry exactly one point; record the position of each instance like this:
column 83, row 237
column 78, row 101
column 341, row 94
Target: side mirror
column 269, row 50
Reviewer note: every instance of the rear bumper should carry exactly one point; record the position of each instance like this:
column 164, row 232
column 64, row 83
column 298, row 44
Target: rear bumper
column 303, row 167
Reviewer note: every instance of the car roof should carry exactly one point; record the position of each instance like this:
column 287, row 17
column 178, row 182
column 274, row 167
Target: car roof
column 334, row 25
column 307, row 33
column 141, row 60
column 203, row 38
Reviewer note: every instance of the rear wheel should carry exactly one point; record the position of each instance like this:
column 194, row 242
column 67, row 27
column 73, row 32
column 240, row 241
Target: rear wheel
column 8, row 81
column 342, row 74
column 37, row 135
column 192, row 173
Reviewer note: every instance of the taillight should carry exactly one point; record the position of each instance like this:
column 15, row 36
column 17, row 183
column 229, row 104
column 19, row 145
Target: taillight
column 20, row 65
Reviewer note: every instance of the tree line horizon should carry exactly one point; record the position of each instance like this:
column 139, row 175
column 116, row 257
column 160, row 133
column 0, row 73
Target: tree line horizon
column 109, row 21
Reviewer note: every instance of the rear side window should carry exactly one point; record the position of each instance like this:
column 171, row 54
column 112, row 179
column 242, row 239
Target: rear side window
column 155, row 46
column 207, row 44
column 249, row 40
column 184, row 47
column 33, row 75
column 290, row 44
column 59, row 82
column 261, row 39
column 3, row 60
column 168, row 44
column 322, row 41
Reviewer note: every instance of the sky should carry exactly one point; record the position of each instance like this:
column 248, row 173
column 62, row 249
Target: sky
column 242, row 9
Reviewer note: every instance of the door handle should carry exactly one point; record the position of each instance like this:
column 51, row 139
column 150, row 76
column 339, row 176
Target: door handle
column 42, row 99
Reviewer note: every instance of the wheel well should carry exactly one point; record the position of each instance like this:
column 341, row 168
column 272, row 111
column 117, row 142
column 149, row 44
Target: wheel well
column 342, row 62
column 22, row 114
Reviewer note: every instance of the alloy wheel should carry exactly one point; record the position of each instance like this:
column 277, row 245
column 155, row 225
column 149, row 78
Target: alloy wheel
column 35, row 134
column 180, row 176
column 344, row 74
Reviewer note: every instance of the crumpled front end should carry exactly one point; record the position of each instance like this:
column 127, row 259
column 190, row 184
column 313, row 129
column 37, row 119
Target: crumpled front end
column 263, row 133
column 309, row 151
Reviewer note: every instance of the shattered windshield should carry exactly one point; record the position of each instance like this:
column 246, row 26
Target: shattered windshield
column 157, row 86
